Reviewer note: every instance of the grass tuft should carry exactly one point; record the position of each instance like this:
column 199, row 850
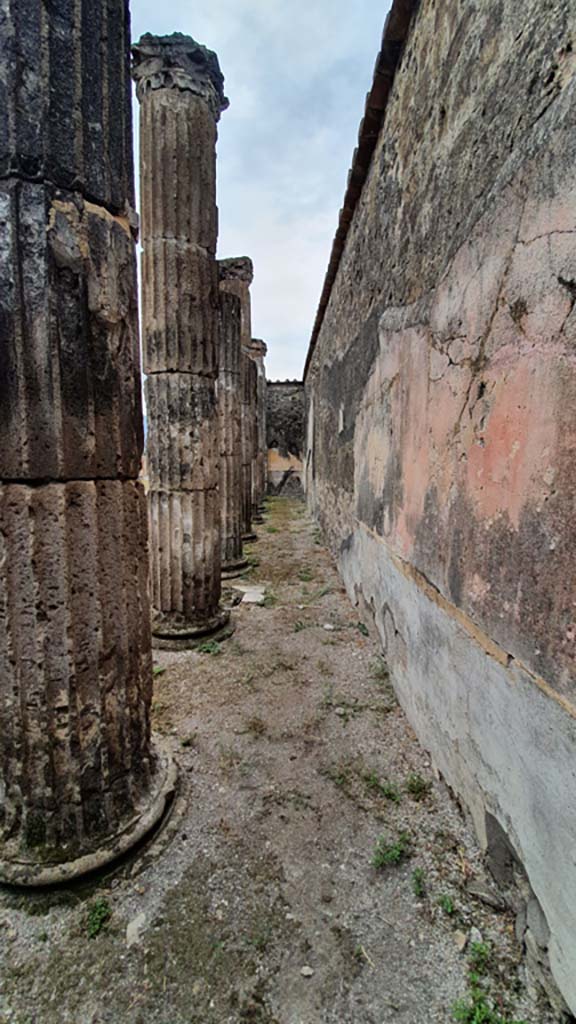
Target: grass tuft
column 386, row 854
column 99, row 913
column 209, row 647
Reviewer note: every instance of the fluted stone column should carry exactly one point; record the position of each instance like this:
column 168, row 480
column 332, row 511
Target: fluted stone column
column 80, row 781
column 249, row 392
column 180, row 88
column 230, row 414
column 257, row 352
column 236, row 276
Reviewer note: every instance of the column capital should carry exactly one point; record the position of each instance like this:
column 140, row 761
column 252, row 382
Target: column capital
column 178, row 62
column 236, row 268
column 257, row 347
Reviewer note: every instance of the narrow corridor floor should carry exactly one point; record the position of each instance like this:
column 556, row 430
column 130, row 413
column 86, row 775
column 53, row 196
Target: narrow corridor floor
column 314, row 871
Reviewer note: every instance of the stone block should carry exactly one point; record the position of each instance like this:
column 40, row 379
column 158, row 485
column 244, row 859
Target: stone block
column 180, row 308
column 75, row 665
column 183, row 432
column 57, row 122
column 185, row 556
column 70, row 402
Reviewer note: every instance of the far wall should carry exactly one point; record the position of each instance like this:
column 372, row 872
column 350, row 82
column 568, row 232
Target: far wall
column 285, row 436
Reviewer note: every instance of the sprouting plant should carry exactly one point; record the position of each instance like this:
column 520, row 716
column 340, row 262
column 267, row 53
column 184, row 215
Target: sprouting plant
column 419, row 882
column 299, row 626
column 386, row 789
column 158, row 670
column 475, row 1009
column 446, row 903
column 306, row 575
column 362, row 629
column 269, row 600
column 99, row 913
column 209, row 647
column 339, row 774
column 271, row 529
column 387, row 853
column 417, row 786
column 479, row 956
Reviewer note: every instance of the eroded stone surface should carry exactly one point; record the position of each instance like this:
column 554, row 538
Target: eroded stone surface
column 80, row 138
column 75, row 665
column 179, row 86
column 70, row 403
column 230, row 417
column 236, row 275
column 257, row 351
column 79, row 779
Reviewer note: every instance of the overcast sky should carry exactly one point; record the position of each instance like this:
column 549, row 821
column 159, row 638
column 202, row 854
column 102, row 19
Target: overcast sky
column 296, row 74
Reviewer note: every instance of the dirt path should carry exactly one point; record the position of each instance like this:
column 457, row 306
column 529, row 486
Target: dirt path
column 260, row 900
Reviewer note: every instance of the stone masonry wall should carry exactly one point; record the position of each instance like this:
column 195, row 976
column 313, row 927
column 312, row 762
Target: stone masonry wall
column 441, row 425
column 285, row 436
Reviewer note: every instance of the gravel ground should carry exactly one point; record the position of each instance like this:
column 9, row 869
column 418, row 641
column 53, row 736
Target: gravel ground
column 259, row 900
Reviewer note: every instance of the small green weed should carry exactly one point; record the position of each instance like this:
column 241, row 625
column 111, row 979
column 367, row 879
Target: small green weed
column 386, row 789
column 419, row 882
column 417, row 786
column 209, row 647
column 299, row 626
column 271, row 529
column 269, row 600
column 362, row 629
column 387, row 853
column 479, row 957
column 99, row 913
column 340, row 775
column 476, row 1009
column 446, row 903
column 306, row 576
column 158, row 670
column 317, row 594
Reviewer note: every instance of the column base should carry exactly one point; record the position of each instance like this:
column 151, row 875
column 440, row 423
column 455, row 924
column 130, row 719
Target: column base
column 184, row 636
column 232, row 569
column 34, row 874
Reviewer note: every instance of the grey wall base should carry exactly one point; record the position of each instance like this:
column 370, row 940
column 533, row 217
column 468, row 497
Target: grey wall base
column 502, row 743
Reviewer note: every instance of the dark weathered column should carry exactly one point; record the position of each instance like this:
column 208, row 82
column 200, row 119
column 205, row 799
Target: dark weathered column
column 236, row 275
column 257, row 352
column 230, row 414
column 79, row 780
column 180, row 88
column 249, row 392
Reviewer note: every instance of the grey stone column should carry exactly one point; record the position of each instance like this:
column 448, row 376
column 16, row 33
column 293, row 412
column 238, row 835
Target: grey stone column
column 180, row 88
column 230, row 414
column 257, row 352
column 236, row 275
column 80, row 781
column 249, row 394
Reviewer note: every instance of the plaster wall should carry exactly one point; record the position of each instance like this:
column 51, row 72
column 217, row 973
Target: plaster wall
column 441, row 424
